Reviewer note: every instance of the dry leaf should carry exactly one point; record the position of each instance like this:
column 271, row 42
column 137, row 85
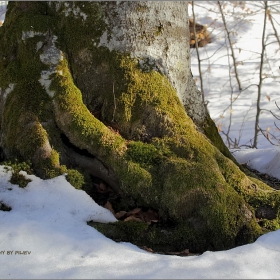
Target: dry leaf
column 147, row 249
column 268, row 97
column 172, row 253
column 134, row 211
column 109, row 206
column 219, row 127
column 140, row 215
column 120, row 214
column 101, row 187
column 151, row 216
column 132, row 218
column 185, row 252
column 269, row 16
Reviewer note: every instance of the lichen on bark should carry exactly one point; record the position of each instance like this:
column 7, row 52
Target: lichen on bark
column 66, row 79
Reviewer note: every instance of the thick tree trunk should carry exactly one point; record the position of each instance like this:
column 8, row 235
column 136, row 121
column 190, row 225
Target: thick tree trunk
column 157, row 34
column 106, row 88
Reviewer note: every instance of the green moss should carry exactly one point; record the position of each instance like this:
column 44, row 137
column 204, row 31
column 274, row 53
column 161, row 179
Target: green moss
column 178, row 238
column 212, row 133
column 4, row 207
column 141, row 234
column 76, row 29
column 16, row 167
column 122, row 231
column 159, row 30
column 20, row 58
column 190, row 181
column 81, row 127
column 143, row 153
column 50, row 165
column 16, row 11
column 75, row 178
column 270, row 225
column 27, row 106
column 20, row 180
column 254, row 192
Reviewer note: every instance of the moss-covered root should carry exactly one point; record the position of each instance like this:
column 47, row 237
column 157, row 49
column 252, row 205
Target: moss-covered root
column 26, row 139
column 212, row 133
column 176, row 239
column 185, row 182
column 78, row 124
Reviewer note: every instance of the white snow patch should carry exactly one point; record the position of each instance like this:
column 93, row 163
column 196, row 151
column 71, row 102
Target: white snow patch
column 46, row 235
column 266, row 161
column 3, row 7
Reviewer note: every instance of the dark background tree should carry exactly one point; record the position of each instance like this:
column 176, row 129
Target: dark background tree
column 104, row 89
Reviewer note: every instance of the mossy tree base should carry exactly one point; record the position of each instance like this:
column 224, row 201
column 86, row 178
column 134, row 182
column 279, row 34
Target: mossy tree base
column 131, row 126
column 164, row 238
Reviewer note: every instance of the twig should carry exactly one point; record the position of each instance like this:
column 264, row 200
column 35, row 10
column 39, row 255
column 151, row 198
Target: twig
column 231, row 104
column 198, row 57
column 115, row 105
column 274, row 29
column 260, row 80
column 231, row 46
column 268, row 139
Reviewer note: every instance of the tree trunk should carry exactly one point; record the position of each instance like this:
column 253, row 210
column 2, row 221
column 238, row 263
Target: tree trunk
column 106, row 88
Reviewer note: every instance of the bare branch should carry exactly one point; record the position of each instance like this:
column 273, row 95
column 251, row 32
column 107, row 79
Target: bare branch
column 260, row 79
column 198, row 57
column 273, row 26
column 268, row 138
column 231, row 46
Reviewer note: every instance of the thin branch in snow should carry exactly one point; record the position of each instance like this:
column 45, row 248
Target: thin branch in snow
column 273, row 26
column 198, row 57
column 231, row 46
column 257, row 120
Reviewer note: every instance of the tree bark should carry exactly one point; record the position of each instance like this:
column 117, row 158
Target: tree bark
column 106, row 88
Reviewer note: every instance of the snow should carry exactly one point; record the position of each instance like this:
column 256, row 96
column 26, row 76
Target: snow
column 46, row 235
column 264, row 160
column 245, row 24
column 3, row 6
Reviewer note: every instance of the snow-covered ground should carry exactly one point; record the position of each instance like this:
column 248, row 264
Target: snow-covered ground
column 245, row 23
column 45, row 235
